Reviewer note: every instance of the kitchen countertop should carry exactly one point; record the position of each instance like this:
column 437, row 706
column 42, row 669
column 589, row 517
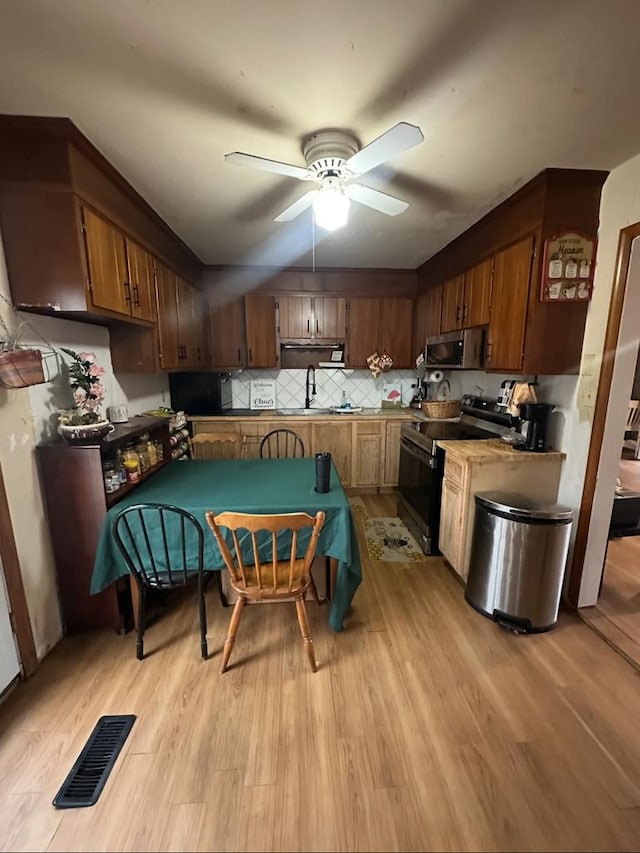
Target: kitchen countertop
column 492, row 450
column 271, row 414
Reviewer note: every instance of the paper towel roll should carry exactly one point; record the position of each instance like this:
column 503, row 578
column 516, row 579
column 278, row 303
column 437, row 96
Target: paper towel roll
column 434, row 376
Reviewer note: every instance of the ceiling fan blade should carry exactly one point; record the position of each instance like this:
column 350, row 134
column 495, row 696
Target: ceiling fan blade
column 297, row 207
column 388, row 204
column 399, row 138
column 240, row 159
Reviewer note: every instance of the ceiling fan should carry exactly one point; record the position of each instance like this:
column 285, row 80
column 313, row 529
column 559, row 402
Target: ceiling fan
column 334, row 158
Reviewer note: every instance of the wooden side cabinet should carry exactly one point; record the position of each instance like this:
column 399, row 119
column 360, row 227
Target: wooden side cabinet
column 76, row 504
column 511, row 278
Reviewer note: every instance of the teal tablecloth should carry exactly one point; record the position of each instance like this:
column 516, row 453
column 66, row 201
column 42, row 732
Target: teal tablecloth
column 245, row 485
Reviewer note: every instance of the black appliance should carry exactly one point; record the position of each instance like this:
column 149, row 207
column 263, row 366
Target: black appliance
column 200, row 392
column 535, row 416
column 422, row 462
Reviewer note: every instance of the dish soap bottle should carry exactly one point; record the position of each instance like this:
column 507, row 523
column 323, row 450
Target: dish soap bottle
column 344, row 403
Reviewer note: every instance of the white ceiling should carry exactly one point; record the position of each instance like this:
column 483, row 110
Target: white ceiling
column 164, row 88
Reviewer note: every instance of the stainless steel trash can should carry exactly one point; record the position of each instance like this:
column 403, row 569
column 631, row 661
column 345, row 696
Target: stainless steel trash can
column 518, row 554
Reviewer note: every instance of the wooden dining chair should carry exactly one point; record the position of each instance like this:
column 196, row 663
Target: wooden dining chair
column 268, row 568
column 633, row 426
column 218, row 445
column 280, row 444
column 146, row 534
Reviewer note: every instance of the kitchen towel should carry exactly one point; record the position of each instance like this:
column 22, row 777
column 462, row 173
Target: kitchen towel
column 521, row 393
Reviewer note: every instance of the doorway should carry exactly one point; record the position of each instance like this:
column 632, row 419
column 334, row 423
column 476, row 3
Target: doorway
column 605, row 577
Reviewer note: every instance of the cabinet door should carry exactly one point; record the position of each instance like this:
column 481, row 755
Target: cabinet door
column 296, row 317
column 200, row 358
column 368, row 446
column 186, row 324
column 226, row 333
column 452, row 303
column 140, row 265
column 260, row 318
column 362, row 330
column 419, row 332
column 168, row 331
column 395, row 332
column 433, row 320
column 512, row 269
column 451, row 511
column 392, row 453
column 477, row 295
column 329, row 318
column 335, row 439
column 106, row 263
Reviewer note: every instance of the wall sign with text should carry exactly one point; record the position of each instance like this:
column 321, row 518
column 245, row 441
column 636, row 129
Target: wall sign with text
column 263, row 394
column 568, row 263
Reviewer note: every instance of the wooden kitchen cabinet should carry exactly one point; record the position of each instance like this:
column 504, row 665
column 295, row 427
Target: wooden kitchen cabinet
column 452, row 304
column 141, row 278
column 379, row 325
column 485, row 466
column 260, row 324
column 170, row 352
column 108, row 276
column 227, row 336
column 477, row 295
column 367, row 453
column 76, row 503
column 511, row 278
column 391, row 468
column 336, row 439
column 312, row 318
column 433, row 306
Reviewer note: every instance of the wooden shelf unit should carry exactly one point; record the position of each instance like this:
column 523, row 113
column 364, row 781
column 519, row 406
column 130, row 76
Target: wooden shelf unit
column 76, row 504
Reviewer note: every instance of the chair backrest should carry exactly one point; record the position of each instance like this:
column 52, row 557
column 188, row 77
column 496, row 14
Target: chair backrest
column 162, row 545
column 281, row 443
column 280, row 561
column 633, row 415
column 220, row 445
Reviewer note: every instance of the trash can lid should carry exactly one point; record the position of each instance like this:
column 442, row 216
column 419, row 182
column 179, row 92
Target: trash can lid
column 522, row 506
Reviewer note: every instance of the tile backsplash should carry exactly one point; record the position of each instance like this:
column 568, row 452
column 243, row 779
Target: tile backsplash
column 360, row 387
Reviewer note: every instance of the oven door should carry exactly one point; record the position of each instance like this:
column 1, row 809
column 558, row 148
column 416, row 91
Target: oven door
column 420, row 488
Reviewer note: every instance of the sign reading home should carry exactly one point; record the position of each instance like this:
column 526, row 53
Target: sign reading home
column 263, row 393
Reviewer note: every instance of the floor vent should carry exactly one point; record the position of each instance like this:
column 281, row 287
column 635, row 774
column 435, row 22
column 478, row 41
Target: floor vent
column 88, row 776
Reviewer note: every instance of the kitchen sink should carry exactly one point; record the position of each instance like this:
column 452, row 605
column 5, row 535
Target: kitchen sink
column 302, row 412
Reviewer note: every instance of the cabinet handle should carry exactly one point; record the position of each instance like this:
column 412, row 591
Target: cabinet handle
column 317, row 327
column 136, row 296
column 250, row 356
column 308, row 327
column 127, row 291
column 179, row 352
column 239, row 356
column 457, row 313
column 465, row 312
column 488, row 352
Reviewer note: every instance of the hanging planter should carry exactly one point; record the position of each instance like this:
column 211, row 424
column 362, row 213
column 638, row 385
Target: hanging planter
column 22, row 366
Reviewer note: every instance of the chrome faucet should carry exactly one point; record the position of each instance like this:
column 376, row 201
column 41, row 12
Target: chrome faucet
column 311, row 371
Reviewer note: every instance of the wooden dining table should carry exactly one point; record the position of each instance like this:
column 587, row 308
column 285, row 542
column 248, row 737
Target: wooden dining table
column 261, row 486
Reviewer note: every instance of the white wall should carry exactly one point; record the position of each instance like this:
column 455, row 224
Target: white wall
column 27, row 416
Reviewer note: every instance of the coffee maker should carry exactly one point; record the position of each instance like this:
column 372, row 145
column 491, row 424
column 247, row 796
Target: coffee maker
column 535, row 416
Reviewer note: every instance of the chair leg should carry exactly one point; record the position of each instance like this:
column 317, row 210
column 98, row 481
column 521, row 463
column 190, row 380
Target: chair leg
column 306, row 633
column 141, row 616
column 204, row 651
column 314, row 591
column 223, row 597
column 231, row 635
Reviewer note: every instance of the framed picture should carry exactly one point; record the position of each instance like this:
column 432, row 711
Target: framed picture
column 568, row 263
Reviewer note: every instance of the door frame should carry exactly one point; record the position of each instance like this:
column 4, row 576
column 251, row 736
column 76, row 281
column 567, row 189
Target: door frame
column 616, row 304
column 21, row 621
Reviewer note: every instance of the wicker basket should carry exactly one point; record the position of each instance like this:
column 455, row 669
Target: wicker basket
column 441, row 408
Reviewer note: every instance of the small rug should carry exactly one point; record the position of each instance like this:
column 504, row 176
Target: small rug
column 388, row 539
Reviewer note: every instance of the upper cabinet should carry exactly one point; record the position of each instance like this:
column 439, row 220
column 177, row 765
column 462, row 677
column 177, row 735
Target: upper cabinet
column 260, row 324
column 227, row 338
column 491, row 274
column 512, row 272
column 466, row 299
column 303, row 317
column 379, row 325
column 79, row 241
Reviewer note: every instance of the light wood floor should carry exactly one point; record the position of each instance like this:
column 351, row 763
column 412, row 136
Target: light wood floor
column 616, row 616
column 425, row 728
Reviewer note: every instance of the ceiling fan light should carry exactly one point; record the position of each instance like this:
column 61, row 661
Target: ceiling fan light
column 331, row 208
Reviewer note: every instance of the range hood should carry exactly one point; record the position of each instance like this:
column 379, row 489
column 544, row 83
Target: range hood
column 298, row 354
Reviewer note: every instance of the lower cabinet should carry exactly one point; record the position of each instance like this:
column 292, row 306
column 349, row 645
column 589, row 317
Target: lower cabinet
column 365, row 451
column 467, row 473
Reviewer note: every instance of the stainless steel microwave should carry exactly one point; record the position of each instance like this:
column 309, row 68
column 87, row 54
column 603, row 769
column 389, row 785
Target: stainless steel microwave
column 463, row 349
